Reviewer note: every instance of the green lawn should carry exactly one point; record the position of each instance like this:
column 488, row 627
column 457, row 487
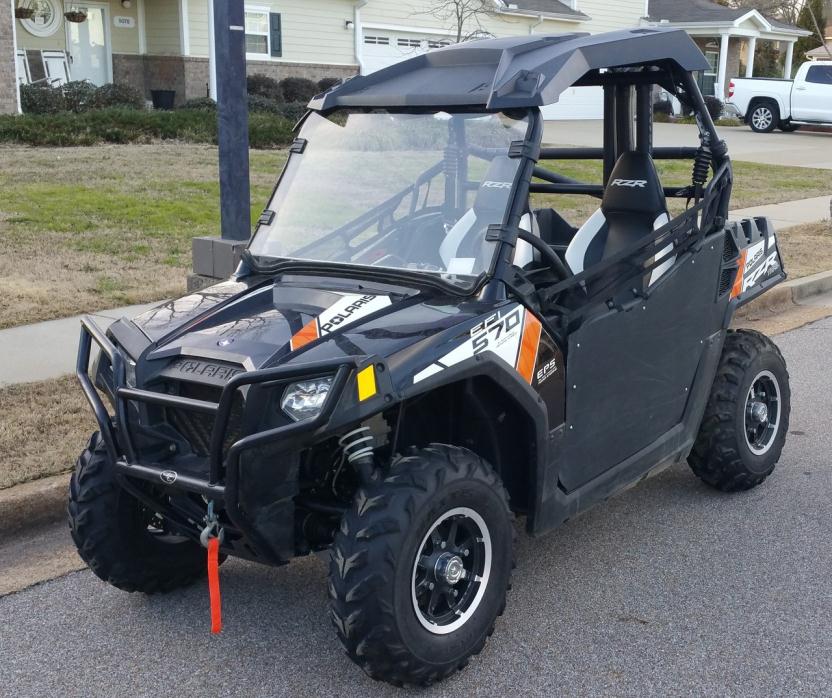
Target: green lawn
column 87, row 228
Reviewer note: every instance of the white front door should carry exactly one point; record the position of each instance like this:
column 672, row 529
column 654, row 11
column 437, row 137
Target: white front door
column 88, row 44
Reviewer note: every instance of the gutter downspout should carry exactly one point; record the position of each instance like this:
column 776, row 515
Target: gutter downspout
column 14, row 56
column 534, row 26
column 358, row 34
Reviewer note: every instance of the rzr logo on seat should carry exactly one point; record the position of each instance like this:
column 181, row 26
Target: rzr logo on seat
column 496, row 185
column 632, row 183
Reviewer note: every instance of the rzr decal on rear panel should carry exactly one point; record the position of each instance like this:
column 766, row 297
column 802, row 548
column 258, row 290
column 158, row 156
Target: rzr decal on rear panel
column 758, row 262
column 349, row 308
column 512, row 334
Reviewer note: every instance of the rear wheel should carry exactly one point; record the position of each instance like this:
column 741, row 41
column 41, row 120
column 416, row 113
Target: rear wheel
column 764, row 116
column 747, row 416
column 124, row 542
column 421, row 566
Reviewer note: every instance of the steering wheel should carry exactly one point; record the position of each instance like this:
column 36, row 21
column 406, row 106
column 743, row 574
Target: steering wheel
column 555, row 262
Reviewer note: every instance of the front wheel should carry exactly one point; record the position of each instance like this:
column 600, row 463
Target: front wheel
column 747, row 417
column 124, row 542
column 764, row 117
column 421, row 566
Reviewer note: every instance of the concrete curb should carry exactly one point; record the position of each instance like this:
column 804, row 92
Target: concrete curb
column 33, row 504
column 787, row 294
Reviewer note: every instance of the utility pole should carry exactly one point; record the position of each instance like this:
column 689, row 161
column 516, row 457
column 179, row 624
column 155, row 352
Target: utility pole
column 216, row 258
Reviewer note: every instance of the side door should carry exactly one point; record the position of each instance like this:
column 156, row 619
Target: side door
column 630, row 371
column 812, row 93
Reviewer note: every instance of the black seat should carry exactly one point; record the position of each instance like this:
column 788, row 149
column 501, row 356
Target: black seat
column 633, row 202
column 632, row 207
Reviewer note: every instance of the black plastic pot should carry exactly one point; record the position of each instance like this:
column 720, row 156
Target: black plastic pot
column 163, row 99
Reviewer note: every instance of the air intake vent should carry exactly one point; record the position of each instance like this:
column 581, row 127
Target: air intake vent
column 726, row 280
column 730, row 252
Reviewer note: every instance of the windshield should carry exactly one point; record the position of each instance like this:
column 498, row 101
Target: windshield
column 414, row 192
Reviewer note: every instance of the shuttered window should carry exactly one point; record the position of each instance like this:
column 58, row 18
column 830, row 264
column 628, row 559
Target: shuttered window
column 275, row 34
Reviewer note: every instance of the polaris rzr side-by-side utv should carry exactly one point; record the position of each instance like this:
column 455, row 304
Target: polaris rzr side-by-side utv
column 418, row 346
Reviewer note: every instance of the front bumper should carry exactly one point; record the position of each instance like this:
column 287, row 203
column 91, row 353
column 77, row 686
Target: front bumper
column 223, row 482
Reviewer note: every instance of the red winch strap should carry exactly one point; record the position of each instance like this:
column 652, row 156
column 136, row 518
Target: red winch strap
column 214, row 584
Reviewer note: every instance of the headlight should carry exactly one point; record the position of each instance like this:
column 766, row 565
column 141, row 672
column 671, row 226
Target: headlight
column 304, row 399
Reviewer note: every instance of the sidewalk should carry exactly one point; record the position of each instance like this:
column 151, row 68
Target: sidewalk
column 48, row 349
column 789, row 213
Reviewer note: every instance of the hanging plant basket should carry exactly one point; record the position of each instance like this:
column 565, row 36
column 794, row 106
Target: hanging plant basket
column 24, row 12
column 75, row 16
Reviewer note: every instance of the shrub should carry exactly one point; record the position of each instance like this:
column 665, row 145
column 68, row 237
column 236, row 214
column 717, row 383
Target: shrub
column 135, row 126
column 115, row 95
column 291, row 111
column 326, row 83
column 298, row 89
column 661, row 117
column 200, row 104
column 715, row 107
column 41, row 99
column 78, row 95
column 264, row 86
column 663, row 107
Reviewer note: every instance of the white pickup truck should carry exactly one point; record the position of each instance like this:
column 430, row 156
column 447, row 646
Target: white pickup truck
column 767, row 103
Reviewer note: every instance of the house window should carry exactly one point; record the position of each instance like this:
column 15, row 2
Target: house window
column 257, row 32
column 439, row 44
column 410, row 43
column 379, row 40
column 707, row 79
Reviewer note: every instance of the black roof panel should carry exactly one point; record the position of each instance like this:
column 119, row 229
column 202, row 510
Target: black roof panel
column 524, row 71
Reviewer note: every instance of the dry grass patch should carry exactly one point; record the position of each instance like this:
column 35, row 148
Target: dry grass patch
column 806, row 249
column 43, row 428
column 83, row 229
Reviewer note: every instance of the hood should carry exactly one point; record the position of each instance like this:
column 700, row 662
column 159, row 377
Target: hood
column 257, row 323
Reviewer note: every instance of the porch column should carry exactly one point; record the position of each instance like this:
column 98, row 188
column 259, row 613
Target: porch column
column 787, row 68
column 749, row 62
column 212, row 54
column 723, row 66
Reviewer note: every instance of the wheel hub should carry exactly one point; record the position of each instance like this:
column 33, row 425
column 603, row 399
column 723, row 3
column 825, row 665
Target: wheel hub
column 758, row 412
column 449, row 568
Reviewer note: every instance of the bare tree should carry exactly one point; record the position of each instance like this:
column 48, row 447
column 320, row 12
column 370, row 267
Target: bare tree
column 462, row 17
column 785, row 10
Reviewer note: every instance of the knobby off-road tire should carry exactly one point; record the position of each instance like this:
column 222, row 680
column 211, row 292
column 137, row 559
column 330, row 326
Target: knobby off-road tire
column 110, row 530
column 436, row 512
column 735, row 450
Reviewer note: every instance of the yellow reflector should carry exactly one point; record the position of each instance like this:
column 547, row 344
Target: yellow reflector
column 366, row 383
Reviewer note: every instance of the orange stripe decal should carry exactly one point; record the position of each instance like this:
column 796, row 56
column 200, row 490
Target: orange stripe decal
column 308, row 333
column 528, row 347
column 737, row 288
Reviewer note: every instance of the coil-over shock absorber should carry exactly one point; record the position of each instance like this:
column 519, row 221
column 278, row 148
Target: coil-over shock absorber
column 357, row 447
column 701, row 167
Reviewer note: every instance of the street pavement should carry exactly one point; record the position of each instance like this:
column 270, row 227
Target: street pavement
column 669, row 589
column 799, row 149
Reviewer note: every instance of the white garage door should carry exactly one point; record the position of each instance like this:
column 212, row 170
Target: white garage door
column 578, row 103
column 384, row 48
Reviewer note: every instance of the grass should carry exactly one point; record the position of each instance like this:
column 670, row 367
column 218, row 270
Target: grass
column 87, row 228
column 45, row 426
column 806, row 249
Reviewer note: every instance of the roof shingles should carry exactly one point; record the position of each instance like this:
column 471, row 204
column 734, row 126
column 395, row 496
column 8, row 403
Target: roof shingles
column 545, row 7
column 701, row 11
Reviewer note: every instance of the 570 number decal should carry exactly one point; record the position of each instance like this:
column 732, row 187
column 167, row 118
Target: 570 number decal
column 492, row 329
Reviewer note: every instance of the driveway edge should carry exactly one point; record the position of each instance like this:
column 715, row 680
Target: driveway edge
column 33, row 504
column 788, row 293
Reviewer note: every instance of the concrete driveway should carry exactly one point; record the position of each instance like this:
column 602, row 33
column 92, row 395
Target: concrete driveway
column 800, row 149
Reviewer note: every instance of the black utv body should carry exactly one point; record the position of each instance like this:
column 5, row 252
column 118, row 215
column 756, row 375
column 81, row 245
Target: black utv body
column 413, row 350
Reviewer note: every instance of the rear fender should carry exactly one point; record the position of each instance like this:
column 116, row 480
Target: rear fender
column 757, row 261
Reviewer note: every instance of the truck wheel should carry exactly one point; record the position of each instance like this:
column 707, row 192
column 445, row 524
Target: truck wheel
column 122, row 541
column 421, row 566
column 747, row 416
column 764, row 116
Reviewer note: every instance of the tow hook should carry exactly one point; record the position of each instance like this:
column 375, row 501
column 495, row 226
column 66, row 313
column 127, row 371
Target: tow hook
column 211, row 537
